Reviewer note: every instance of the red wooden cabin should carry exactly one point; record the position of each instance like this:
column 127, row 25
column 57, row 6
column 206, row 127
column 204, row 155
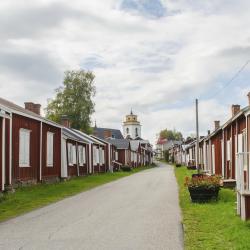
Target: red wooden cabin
column 75, row 157
column 30, row 145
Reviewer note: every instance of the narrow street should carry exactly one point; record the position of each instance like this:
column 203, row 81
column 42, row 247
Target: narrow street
column 136, row 212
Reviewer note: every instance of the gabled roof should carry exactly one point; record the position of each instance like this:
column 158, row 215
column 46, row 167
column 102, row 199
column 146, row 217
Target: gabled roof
column 120, row 143
column 71, row 134
column 114, row 133
column 88, row 138
column 13, row 108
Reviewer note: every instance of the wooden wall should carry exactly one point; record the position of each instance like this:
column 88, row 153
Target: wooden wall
column 32, row 172
column 55, row 171
column 1, row 120
column 216, row 141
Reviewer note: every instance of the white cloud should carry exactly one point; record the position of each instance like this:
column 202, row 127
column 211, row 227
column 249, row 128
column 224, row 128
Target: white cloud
column 158, row 66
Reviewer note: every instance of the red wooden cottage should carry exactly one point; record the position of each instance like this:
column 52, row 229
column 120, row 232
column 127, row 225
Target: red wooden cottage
column 97, row 153
column 30, row 145
column 74, row 154
column 111, row 154
column 124, row 152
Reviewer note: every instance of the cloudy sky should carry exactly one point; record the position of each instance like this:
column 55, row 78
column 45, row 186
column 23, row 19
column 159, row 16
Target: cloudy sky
column 155, row 56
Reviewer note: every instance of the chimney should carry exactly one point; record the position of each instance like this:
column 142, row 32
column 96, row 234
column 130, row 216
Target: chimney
column 208, row 132
column 35, row 108
column 248, row 95
column 235, row 109
column 65, row 121
column 216, row 125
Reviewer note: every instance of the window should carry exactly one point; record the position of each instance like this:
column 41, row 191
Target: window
column 24, row 148
column 101, row 156
column 74, row 154
column 50, row 149
column 116, row 156
column 127, row 130
column 84, row 155
column 70, row 154
column 96, row 155
column 81, row 155
column 136, row 132
column 229, row 150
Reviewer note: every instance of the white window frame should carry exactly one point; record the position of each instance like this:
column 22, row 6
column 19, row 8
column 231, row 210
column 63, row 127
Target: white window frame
column 103, row 157
column 70, row 155
column 50, row 149
column 24, row 134
column 84, row 154
column 80, row 155
column 74, row 154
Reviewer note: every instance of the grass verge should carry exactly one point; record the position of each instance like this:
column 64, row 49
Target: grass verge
column 212, row 225
column 29, row 198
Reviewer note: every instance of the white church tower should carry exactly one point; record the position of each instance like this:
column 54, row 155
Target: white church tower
column 131, row 126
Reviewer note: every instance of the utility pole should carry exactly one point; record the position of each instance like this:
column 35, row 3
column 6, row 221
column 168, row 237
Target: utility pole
column 197, row 135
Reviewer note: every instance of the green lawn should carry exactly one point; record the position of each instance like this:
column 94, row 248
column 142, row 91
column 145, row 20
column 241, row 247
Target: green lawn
column 212, row 225
column 28, row 198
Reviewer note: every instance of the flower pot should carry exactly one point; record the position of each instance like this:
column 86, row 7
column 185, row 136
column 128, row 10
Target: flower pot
column 197, row 175
column 203, row 194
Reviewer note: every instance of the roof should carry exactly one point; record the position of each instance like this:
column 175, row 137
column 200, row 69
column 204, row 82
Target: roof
column 113, row 133
column 22, row 111
column 119, row 143
column 71, row 134
column 87, row 137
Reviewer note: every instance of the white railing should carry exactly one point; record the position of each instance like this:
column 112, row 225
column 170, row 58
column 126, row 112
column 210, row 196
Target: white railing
column 242, row 160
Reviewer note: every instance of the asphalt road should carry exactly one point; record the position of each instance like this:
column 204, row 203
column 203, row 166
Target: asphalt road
column 136, row 212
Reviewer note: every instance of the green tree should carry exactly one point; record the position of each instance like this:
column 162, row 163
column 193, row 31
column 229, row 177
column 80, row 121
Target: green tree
column 74, row 99
column 171, row 135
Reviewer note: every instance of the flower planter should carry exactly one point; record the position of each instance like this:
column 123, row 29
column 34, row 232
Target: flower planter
column 203, row 194
column 197, row 175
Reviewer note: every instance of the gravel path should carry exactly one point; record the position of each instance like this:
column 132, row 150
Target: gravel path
column 138, row 212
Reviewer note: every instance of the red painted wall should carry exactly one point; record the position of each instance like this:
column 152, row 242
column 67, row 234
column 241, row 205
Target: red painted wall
column 55, row 171
column 216, row 141
column 32, row 172
column 1, row 119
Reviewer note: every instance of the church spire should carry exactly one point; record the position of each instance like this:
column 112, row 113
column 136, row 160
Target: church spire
column 131, row 112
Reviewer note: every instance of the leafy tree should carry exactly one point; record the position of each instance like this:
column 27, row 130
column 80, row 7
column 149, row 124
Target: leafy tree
column 74, row 99
column 171, row 135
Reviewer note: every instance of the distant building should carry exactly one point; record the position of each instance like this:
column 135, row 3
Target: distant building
column 131, row 127
column 105, row 133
